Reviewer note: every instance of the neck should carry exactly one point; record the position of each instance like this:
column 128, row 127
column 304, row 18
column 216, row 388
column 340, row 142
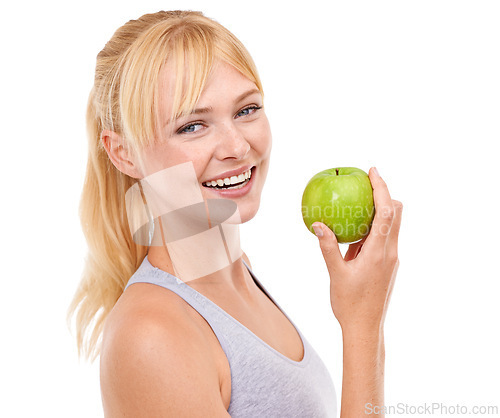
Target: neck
column 233, row 277
column 201, row 246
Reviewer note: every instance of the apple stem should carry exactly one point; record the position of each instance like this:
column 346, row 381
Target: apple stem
column 337, row 171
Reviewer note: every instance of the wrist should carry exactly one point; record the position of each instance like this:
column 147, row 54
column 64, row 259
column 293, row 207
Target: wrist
column 372, row 331
column 363, row 369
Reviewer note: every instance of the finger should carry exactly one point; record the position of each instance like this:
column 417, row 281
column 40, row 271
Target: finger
column 353, row 250
column 392, row 241
column 384, row 210
column 329, row 247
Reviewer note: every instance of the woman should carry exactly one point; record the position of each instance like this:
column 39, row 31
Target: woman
column 176, row 90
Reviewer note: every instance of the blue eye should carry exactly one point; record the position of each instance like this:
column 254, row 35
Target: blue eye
column 190, row 128
column 246, row 111
column 195, row 127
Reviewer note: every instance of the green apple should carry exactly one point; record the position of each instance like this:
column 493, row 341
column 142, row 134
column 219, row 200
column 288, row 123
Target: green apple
column 341, row 198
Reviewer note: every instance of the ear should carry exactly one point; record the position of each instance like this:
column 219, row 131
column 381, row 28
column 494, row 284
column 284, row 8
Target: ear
column 120, row 155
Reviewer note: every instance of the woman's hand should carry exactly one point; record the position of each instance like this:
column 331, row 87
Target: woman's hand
column 362, row 281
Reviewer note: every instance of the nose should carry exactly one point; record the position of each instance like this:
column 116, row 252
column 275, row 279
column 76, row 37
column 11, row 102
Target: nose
column 232, row 143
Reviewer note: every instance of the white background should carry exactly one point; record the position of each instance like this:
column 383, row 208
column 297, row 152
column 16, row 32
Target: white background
column 411, row 87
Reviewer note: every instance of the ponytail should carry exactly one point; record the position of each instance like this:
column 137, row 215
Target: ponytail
column 124, row 99
column 112, row 255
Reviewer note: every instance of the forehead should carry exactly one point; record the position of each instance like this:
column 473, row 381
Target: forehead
column 222, row 82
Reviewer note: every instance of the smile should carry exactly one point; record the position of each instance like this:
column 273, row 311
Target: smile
column 230, row 183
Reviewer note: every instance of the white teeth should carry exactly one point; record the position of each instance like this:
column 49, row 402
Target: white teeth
column 229, row 181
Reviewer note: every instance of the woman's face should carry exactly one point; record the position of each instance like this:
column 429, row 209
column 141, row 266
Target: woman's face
column 227, row 131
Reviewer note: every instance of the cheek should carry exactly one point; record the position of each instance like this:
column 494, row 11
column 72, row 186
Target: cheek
column 199, row 155
column 163, row 157
column 153, row 160
column 263, row 138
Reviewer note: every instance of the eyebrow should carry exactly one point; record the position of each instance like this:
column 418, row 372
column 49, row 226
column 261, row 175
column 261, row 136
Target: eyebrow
column 208, row 109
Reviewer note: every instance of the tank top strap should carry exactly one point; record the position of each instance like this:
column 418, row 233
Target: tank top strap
column 264, row 382
column 147, row 273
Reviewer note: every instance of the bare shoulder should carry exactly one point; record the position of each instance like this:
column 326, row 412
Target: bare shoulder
column 246, row 259
column 155, row 361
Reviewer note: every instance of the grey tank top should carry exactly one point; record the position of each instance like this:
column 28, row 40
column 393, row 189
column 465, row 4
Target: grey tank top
column 264, row 382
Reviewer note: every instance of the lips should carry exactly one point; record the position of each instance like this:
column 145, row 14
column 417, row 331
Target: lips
column 233, row 192
column 229, row 174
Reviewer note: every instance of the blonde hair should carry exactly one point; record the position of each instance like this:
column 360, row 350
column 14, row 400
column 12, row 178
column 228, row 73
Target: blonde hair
column 124, row 99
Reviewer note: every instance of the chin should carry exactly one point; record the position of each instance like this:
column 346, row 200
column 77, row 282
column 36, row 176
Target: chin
column 248, row 212
column 248, row 205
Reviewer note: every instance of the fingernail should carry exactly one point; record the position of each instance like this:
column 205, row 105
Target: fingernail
column 318, row 231
column 376, row 171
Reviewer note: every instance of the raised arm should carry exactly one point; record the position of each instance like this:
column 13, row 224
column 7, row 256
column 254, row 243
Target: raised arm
column 360, row 290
